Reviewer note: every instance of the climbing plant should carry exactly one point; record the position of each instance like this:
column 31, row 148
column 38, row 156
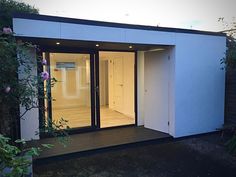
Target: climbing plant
column 11, row 91
column 20, row 87
column 229, row 60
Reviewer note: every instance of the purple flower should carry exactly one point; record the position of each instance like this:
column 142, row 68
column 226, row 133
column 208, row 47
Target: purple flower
column 45, row 75
column 7, row 30
column 7, row 89
column 44, row 61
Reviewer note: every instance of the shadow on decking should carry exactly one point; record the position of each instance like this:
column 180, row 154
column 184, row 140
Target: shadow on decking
column 87, row 143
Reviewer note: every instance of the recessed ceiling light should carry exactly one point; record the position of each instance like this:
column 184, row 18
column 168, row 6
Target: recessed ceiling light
column 158, row 49
column 97, row 45
column 130, row 46
column 57, row 43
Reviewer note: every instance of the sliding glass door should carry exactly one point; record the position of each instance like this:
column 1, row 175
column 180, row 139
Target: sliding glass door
column 72, row 96
column 93, row 90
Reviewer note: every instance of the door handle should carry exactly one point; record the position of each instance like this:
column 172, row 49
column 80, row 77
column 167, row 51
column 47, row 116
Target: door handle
column 121, row 85
column 97, row 89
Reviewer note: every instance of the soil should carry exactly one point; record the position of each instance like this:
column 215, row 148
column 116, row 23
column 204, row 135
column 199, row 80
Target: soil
column 204, row 156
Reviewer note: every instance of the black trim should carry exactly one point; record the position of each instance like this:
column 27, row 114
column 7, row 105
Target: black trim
column 78, row 51
column 93, row 124
column 41, row 93
column 136, row 87
column 112, row 24
column 97, row 89
column 49, row 93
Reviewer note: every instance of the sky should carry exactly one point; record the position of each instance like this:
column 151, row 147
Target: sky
column 190, row 14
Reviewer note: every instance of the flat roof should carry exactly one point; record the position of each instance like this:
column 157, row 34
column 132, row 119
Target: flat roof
column 112, row 24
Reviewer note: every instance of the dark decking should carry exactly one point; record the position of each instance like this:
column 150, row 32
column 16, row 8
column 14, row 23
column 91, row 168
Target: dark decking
column 97, row 140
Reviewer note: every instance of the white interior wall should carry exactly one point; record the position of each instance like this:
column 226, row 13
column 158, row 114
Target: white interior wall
column 129, row 85
column 103, row 82
column 73, row 86
column 128, row 79
column 110, row 83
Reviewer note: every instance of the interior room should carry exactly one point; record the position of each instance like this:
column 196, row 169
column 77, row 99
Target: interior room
column 116, row 73
column 72, row 93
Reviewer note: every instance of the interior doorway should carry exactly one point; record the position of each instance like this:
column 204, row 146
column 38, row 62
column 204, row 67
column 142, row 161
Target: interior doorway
column 117, row 88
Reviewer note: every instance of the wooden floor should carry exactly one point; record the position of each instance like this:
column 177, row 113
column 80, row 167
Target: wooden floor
column 102, row 139
column 81, row 117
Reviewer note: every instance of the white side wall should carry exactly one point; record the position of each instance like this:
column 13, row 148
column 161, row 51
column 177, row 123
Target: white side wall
column 199, row 84
column 30, row 121
column 140, row 87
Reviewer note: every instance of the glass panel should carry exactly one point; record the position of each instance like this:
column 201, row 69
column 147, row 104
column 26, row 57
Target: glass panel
column 71, row 94
column 116, row 85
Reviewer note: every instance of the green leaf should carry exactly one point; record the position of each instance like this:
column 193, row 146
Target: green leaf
column 34, row 151
column 20, row 141
column 48, row 146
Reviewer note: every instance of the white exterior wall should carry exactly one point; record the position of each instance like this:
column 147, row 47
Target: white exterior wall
column 199, row 84
column 29, row 123
column 198, row 81
column 58, row 30
column 140, row 87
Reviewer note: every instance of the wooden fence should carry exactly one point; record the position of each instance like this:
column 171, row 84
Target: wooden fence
column 230, row 97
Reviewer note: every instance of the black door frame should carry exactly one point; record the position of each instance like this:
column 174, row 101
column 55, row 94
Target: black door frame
column 95, row 100
column 135, row 86
column 92, row 55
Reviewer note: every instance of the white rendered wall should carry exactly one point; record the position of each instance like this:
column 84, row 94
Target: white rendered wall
column 140, row 87
column 29, row 123
column 199, row 84
column 58, row 30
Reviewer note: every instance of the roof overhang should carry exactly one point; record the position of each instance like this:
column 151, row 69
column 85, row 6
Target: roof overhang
column 112, row 24
column 52, row 44
column 46, row 31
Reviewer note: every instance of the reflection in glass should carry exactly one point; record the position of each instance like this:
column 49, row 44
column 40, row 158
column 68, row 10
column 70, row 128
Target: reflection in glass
column 71, row 94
